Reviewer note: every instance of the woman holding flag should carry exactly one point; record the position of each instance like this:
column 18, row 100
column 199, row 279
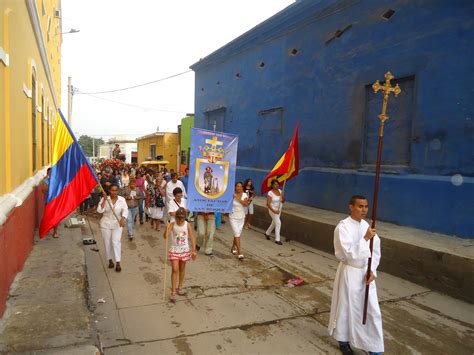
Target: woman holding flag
column 115, row 213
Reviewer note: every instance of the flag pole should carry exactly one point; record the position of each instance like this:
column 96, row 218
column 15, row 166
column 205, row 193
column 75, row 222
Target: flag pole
column 387, row 89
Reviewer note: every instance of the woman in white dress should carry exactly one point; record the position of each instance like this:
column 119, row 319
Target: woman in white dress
column 275, row 201
column 157, row 203
column 237, row 217
column 110, row 228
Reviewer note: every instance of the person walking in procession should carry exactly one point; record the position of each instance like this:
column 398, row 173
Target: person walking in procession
column 133, row 196
column 275, row 200
column 178, row 202
column 140, row 184
column 206, row 227
column 250, row 191
column 171, row 185
column 45, row 188
column 180, row 251
column 237, row 218
column 110, row 228
column 156, row 203
column 351, row 244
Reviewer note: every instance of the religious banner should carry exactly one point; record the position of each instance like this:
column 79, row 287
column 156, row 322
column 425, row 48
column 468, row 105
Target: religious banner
column 212, row 171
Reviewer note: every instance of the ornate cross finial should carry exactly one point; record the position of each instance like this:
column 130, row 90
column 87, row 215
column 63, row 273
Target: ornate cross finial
column 387, row 89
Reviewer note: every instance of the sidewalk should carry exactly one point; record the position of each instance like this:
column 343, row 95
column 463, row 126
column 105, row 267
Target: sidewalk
column 47, row 309
column 237, row 307
column 436, row 261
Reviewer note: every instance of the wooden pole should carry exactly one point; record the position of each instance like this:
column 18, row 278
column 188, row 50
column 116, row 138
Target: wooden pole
column 374, row 218
column 166, row 264
column 386, row 89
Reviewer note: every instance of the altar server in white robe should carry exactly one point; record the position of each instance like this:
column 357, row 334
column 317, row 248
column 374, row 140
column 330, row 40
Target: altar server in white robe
column 351, row 243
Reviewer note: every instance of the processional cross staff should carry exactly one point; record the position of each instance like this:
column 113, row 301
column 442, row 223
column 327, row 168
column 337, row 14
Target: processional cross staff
column 387, row 89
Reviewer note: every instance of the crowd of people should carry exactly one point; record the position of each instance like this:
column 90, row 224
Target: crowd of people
column 159, row 197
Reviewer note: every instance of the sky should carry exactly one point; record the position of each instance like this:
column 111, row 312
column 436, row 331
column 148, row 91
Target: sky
column 123, row 43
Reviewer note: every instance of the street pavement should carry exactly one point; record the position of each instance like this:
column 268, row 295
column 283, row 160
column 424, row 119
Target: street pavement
column 235, row 307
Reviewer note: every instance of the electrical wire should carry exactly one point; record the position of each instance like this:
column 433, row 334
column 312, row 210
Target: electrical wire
column 134, row 86
column 134, row 106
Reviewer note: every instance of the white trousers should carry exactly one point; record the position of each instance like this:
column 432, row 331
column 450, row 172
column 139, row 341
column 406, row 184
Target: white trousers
column 276, row 224
column 112, row 243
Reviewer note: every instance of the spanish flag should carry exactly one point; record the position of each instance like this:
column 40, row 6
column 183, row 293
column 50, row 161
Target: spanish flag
column 71, row 178
column 286, row 168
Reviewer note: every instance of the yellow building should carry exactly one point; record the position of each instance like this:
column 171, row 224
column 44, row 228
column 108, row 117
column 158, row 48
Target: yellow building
column 30, row 95
column 159, row 146
column 30, row 79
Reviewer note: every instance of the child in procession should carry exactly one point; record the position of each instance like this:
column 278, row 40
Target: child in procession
column 180, row 251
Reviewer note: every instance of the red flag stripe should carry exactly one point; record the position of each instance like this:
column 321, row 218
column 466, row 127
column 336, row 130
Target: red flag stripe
column 73, row 194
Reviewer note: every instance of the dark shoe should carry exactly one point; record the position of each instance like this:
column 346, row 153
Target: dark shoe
column 198, row 247
column 279, row 243
column 111, row 264
column 267, row 236
column 141, row 221
column 118, row 268
column 346, row 349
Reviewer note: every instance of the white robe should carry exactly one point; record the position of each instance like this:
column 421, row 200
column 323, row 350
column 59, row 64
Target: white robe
column 345, row 320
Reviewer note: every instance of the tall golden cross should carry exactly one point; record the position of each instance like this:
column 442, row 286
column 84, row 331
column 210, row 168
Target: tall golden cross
column 387, row 89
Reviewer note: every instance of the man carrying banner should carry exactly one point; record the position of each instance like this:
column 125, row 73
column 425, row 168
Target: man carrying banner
column 351, row 245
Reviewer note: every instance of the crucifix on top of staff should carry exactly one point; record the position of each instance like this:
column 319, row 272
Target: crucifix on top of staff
column 387, row 89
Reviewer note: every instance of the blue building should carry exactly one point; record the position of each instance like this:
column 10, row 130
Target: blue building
column 314, row 62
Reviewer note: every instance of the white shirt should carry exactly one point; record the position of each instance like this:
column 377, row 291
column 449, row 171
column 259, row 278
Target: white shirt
column 275, row 202
column 170, row 186
column 173, row 207
column 108, row 219
column 238, row 210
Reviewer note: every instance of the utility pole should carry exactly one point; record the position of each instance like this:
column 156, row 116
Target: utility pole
column 69, row 101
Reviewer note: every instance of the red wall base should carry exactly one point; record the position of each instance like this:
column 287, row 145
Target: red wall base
column 16, row 241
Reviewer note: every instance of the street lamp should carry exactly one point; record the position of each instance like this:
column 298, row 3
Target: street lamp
column 72, row 30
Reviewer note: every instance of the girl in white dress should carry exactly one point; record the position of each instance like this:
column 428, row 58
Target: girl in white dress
column 275, row 200
column 237, row 217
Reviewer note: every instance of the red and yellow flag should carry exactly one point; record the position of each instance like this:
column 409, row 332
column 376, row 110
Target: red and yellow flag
column 286, row 168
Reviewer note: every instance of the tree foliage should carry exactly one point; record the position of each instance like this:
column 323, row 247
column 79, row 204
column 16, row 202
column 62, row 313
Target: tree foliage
column 86, row 144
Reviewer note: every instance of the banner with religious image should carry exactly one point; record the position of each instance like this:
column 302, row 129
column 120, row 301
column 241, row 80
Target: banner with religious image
column 212, row 171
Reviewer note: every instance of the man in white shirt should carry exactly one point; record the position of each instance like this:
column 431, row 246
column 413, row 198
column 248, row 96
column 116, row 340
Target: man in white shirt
column 171, row 185
column 351, row 244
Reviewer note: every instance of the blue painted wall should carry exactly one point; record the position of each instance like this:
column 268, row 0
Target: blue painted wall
column 428, row 156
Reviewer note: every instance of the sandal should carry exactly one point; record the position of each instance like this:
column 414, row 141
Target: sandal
column 182, row 291
column 173, row 298
column 241, row 257
column 233, row 251
column 55, row 235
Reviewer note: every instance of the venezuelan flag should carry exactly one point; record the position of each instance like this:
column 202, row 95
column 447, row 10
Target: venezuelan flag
column 286, row 168
column 71, row 179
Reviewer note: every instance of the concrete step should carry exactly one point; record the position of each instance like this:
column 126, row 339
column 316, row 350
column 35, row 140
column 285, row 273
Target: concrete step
column 437, row 261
